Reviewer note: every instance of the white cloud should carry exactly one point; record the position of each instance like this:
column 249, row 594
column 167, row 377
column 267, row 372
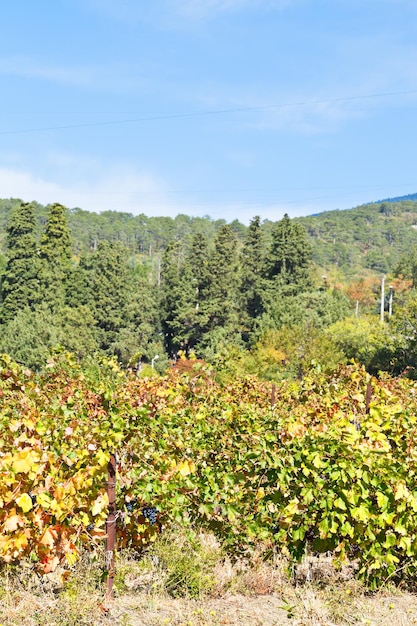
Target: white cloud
column 128, row 191
column 93, row 76
column 115, row 189
column 29, row 68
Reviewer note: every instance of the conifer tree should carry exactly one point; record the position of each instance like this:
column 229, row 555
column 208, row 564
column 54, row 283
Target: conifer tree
column 106, row 290
column 20, row 282
column 251, row 283
column 176, row 299
column 220, row 296
column 198, row 260
column 55, row 254
column 289, row 258
column 141, row 338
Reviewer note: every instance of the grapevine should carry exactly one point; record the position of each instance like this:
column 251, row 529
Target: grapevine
column 317, row 471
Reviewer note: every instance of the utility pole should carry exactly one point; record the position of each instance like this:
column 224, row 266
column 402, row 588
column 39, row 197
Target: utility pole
column 391, row 293
column 382, row 298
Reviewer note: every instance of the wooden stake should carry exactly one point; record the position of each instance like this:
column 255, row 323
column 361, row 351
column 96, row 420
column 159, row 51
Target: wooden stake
column 111, row 526
column 368, row 397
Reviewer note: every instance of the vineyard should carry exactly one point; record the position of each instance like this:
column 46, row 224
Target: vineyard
column 307, row 466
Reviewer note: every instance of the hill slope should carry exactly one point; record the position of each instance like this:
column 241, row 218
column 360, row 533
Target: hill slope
column 368, row 239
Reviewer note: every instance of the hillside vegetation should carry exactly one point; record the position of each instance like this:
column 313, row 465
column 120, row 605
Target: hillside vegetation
column 370, row 238
column 272, row 298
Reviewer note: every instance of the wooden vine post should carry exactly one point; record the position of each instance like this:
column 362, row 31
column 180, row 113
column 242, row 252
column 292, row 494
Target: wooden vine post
column 111, row 526
column 368, row 397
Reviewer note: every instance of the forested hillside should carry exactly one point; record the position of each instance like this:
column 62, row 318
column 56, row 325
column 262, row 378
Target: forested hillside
column 370, row 238
column 270, row 298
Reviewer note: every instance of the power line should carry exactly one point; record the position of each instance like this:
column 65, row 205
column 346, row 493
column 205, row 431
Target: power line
column 173, row 116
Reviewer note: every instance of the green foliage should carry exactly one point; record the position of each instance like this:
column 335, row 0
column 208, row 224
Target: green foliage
column 55, row 257
column 187, row 563
column 30, row 336
column 369, row 237
column 220, row 302
column 308, row 468
column 288, row 261
column 291, row 352
column 251, row 280
column 20, row 280
column 217, row 286
column 107, row 290
column 407, row 266
column 178, row 300
column 364, row 338
column 403, row 329
column 317, row 309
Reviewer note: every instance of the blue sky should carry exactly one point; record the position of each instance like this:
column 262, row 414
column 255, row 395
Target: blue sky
column 227, row 108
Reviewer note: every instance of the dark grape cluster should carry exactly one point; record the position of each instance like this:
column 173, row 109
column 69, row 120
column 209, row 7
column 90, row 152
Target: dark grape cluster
column 150, row 512
column 130, row 506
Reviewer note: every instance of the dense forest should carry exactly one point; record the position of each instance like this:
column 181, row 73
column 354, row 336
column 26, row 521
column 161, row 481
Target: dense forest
column 271, row 298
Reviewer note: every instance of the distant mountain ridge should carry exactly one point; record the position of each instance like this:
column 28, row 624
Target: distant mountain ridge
column 371, row 238
column 410, row 196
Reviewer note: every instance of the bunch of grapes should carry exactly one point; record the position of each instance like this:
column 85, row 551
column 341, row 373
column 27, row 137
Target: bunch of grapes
column 150, row 512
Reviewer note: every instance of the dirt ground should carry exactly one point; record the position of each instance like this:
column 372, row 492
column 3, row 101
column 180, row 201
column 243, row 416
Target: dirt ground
column 303, row 606
column 307, row 607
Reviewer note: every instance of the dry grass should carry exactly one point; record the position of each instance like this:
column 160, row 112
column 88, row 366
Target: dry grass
column 183, row 583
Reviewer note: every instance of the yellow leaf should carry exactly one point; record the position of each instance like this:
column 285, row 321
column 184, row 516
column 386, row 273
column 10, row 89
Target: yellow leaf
column 44, row 500
column 260, row 493
column 48, row 538
column 317, row 462
column 23, row 464
column 71, row 557
column 186, row 468
column 25, row 502
column 59, row 492
column 102, row 458
column 21, row 541
column 100, row 503
column 400, row 490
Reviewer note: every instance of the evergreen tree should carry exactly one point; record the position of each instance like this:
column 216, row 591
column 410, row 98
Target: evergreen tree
column 219, row 303
column 407, row 266
column 55, row 253
column 177, row 299
column 288, row 262
column 141, row 338
column 20, row 282
column 106, row 291
column 251, row 282
column 29, row 336
column 198, row 262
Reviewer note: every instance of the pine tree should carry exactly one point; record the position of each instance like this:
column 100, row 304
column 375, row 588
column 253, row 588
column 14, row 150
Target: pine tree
column 106, row 291
column 198, row 261
column 141, row 338
column 219, row 305
column 177, row 299
column 20, row 282
column 288, row 261
column 55, row 254
column 251, row 282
